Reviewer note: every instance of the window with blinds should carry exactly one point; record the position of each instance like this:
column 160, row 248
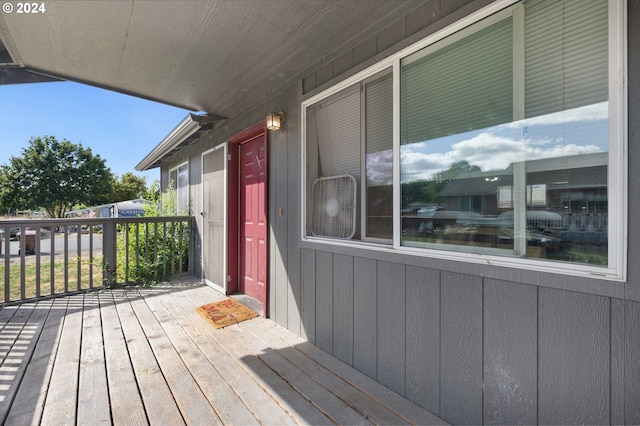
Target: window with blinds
column 478, row 114
column 502, row 138
column 351, row 133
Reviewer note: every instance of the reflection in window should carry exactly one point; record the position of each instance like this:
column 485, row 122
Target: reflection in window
column 509, row 151
column 378, row 146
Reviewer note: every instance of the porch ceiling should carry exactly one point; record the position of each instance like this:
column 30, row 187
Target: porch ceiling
column 213, row 56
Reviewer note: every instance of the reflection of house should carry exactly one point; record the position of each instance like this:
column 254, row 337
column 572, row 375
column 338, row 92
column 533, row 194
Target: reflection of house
column 574, row 187
column 475, row 337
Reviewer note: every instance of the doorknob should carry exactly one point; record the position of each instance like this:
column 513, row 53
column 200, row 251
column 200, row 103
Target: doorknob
column 203, row 214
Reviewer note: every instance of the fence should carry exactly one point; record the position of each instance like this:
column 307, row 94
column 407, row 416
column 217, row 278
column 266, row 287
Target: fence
column 48, row 257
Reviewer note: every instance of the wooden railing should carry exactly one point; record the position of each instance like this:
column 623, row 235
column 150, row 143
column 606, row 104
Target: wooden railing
column 49, row 257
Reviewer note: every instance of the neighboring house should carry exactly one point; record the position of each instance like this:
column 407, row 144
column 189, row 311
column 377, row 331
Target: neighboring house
column 511, row 296
column 129, row 208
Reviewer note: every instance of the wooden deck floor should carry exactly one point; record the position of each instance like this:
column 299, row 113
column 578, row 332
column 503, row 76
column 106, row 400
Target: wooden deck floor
column 144, row 356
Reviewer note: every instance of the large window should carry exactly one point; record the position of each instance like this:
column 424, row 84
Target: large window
column 508, row 141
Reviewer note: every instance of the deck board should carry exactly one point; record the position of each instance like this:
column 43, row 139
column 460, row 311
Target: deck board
column 93, row 403
column 32, row 388
column 337, row 409
column 350, row 395
column 194, row 407
column 137, row 356
column 253, row 393
column 18, row 347
column 61, row 403
column 126, row 402
column 229, row 407
column 158, row 401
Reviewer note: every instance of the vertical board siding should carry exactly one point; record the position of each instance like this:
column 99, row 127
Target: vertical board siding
column 632, row 289
column 324, row 301
column 391, row 326
column 632, row 365
column 308, row 294
column 461, row 348
column 510, row 348
column 365, row 316
column 423, row 337
column 574, row 362
column 617, row 361
column 343, row 308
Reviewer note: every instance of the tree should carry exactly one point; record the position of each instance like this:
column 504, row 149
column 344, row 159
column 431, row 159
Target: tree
column 54, row 175
column 128, row 187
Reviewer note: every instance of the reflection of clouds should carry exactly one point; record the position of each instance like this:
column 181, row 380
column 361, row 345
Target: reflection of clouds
column 565, row 133
column 487, row 151
column 380, row 168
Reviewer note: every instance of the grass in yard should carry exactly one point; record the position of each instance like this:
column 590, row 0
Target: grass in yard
column 31, row 273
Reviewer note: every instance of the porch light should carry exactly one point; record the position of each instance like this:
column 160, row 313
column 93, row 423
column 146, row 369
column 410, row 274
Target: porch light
column 274, row 119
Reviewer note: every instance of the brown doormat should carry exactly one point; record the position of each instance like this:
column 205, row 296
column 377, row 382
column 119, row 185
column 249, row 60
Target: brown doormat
column 226, row 312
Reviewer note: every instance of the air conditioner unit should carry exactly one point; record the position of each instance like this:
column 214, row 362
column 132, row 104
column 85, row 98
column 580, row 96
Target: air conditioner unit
column 333, row 207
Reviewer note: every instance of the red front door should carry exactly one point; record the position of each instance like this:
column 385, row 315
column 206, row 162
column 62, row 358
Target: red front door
column 253, row 218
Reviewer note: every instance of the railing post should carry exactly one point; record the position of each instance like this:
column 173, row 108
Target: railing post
column 192, row 245
column 109, row 252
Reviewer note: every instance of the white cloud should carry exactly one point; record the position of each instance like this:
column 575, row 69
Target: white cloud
column 485, row 150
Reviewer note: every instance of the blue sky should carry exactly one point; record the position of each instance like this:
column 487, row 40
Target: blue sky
column 121, row 129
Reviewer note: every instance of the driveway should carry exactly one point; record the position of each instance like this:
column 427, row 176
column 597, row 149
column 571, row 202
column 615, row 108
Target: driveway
column 59, row 245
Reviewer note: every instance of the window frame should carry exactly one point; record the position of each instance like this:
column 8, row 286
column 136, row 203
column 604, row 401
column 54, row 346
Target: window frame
column 617, row 180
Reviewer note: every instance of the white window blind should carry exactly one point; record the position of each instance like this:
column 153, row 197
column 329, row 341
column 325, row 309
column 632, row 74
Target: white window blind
column 565, row 55
column 336, row 127
column 464, row 86
column 379, row 115
column 378, row 193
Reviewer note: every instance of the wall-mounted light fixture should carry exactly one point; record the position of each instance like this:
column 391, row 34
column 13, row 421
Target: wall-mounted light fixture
column 274, row 120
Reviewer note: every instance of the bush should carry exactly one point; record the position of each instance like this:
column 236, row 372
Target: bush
column 150, row 252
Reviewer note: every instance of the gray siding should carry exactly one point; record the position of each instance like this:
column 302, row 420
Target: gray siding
column 472, row 343
column 573, row 372
column 510, row 348
column 343, row 308
column 423, row 343
column 474, row 350
column 391, row 326
column 461, row 348
column 324, row 301
column 365, row 319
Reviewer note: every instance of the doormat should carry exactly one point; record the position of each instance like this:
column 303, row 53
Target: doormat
column 226, row 312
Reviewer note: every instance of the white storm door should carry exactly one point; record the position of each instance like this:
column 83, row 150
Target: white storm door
column 214, row 214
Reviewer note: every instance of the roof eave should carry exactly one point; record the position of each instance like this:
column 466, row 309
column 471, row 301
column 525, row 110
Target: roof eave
column 187, row 127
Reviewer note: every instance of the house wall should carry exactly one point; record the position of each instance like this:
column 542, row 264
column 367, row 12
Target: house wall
column 471, row 343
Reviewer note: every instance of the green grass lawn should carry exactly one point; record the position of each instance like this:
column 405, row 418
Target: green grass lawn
column 31, row 273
